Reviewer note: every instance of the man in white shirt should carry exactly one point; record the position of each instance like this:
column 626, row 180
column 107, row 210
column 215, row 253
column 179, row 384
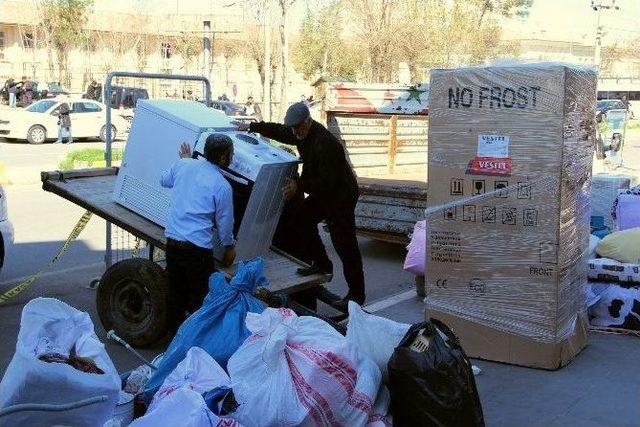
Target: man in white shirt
column 201, row 200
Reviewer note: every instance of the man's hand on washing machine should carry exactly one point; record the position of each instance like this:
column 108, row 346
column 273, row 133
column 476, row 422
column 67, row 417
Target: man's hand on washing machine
column 241, row 126
column 185, row 151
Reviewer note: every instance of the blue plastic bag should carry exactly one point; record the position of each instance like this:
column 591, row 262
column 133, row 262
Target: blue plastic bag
column 218, row 327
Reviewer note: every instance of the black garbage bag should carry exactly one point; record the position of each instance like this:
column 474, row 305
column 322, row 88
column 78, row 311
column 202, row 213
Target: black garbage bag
column 434, row 387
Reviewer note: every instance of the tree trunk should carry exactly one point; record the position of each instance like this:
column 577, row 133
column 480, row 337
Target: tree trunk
column 267, row 81
column 284, row 39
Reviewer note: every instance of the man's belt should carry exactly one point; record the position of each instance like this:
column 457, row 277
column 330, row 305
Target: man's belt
column 180, row 244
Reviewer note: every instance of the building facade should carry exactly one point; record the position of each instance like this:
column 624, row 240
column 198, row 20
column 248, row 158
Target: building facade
column 167, row 43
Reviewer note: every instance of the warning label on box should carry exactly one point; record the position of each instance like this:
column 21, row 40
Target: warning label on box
column 445, row 246
column 496, row 146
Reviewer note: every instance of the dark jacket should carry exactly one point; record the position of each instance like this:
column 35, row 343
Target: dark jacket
column 12, row 87
column 326, row 173
column 63, row 116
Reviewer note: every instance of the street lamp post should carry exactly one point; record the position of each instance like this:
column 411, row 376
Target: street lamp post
column 599, row 6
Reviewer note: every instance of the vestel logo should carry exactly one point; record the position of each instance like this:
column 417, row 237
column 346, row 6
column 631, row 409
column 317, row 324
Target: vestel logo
column 490, row 166
column 485, row 164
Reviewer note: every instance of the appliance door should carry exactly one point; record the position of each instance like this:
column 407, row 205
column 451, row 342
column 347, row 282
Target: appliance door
column 262, row 213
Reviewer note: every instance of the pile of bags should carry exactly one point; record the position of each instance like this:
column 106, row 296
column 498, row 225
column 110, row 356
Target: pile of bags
column 236, row 363
column 614, row 268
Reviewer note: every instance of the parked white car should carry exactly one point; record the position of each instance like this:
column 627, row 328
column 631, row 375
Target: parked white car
column 6, row 228
column 39, row 122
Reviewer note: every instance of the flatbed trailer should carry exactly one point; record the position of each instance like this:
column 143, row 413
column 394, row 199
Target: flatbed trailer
column 132, row 293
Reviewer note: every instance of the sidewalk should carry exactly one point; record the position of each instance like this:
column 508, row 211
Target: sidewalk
column 599, row 388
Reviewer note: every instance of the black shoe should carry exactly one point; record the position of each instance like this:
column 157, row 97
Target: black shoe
column 312, row 269
column 343, row 304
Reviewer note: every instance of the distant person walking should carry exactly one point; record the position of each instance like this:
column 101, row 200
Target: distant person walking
column 27, row 91
column 64, row 124
column 625, row 101
column 13, row 92
column 94, row 91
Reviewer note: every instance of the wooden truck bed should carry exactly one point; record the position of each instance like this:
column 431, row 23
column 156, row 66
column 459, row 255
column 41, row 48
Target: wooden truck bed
column 389, row 206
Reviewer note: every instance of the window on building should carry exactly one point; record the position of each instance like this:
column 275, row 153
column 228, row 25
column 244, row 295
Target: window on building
column 28, row 41
column 1, row 44
column 165, row 51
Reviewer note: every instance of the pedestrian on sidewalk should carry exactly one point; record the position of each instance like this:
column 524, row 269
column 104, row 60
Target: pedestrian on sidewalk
column 64, row 124
column 13, row 93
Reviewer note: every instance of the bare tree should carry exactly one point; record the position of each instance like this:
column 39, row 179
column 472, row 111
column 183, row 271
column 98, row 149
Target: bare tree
column 284, row 50
column 64, row 20
column 188, row 45
column 229, row 51
column 254, row 49
column 422, row 33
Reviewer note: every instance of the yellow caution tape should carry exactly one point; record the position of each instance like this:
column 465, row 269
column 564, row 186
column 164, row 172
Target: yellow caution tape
column 80, row 225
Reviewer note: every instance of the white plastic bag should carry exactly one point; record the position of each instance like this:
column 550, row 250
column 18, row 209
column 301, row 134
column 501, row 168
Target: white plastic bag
column 198, row 372
column 417, row 250
column 300, row 371
column 51, row 325
column 183, row 408
column 379, row 414
column 374, row 336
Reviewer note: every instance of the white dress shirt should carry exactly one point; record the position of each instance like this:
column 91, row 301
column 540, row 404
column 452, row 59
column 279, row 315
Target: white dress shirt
column 201, row 200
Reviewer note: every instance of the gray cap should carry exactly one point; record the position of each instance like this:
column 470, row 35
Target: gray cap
column 296, row 114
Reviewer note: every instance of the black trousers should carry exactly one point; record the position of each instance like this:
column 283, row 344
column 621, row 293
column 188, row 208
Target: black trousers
column 342, row 229
column 189, row 268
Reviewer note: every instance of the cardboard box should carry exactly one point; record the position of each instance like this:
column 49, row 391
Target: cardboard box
column 510, row 152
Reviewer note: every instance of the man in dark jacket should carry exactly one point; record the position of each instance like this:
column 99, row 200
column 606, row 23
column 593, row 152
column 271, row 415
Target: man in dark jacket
column 64, row 123
column 329, row 181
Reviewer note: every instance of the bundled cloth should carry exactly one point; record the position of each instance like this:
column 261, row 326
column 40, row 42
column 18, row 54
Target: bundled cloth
column 180, row 401
column 622, row 246
column 59, row 360
column 300, row 371
column 616, row 306
column 628, row 204
column 219, row 326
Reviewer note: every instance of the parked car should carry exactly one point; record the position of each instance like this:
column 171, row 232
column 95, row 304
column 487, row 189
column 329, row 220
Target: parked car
column 124, row 98
column 39, row 122
column 605, row 105
column 51, row 90
column 6, row 228
column 228, row 107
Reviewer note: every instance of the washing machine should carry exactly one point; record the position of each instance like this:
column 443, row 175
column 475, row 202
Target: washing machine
column 256, row 174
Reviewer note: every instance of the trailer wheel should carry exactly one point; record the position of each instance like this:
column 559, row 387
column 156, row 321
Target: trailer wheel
column 133, row 299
